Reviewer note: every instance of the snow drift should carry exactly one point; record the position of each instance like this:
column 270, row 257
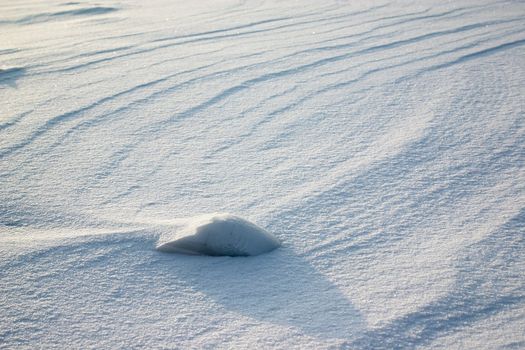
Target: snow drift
column 384, row 141
column 221, row 235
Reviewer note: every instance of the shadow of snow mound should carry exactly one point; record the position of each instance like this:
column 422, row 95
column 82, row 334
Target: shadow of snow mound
column 116, row 276
column 280, row 289
column 219, row 235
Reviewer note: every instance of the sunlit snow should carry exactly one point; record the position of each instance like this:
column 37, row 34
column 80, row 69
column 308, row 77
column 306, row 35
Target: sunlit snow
column 380, row 144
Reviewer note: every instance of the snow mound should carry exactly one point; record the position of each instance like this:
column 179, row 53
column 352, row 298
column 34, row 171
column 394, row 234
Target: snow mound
column 221, row 235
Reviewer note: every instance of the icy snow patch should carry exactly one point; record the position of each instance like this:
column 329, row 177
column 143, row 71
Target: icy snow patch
column 219, row 235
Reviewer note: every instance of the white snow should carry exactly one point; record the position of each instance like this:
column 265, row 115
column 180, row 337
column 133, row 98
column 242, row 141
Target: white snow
column 218, row 234
column 381, row 142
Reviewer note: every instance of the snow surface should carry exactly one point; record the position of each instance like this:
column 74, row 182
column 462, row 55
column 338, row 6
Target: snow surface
column 383, row 143
column 218, row 234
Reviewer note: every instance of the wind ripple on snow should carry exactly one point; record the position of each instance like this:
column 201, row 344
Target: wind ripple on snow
column 382, row 144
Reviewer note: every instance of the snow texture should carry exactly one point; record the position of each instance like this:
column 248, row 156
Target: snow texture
column 381, row 142
column 220, row 235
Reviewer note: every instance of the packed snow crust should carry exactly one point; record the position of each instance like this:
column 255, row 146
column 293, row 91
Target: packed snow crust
column 220, row 235
column 382, row 142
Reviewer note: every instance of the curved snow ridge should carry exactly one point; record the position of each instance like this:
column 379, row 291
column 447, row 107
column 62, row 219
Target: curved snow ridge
column 229, row 92
column 391, row 140
column 53, row 16
column 219, row 235
column 485, row 286
column 146, row 47
column 383, row 143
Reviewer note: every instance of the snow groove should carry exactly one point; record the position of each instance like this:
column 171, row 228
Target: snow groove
column 382, row 144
